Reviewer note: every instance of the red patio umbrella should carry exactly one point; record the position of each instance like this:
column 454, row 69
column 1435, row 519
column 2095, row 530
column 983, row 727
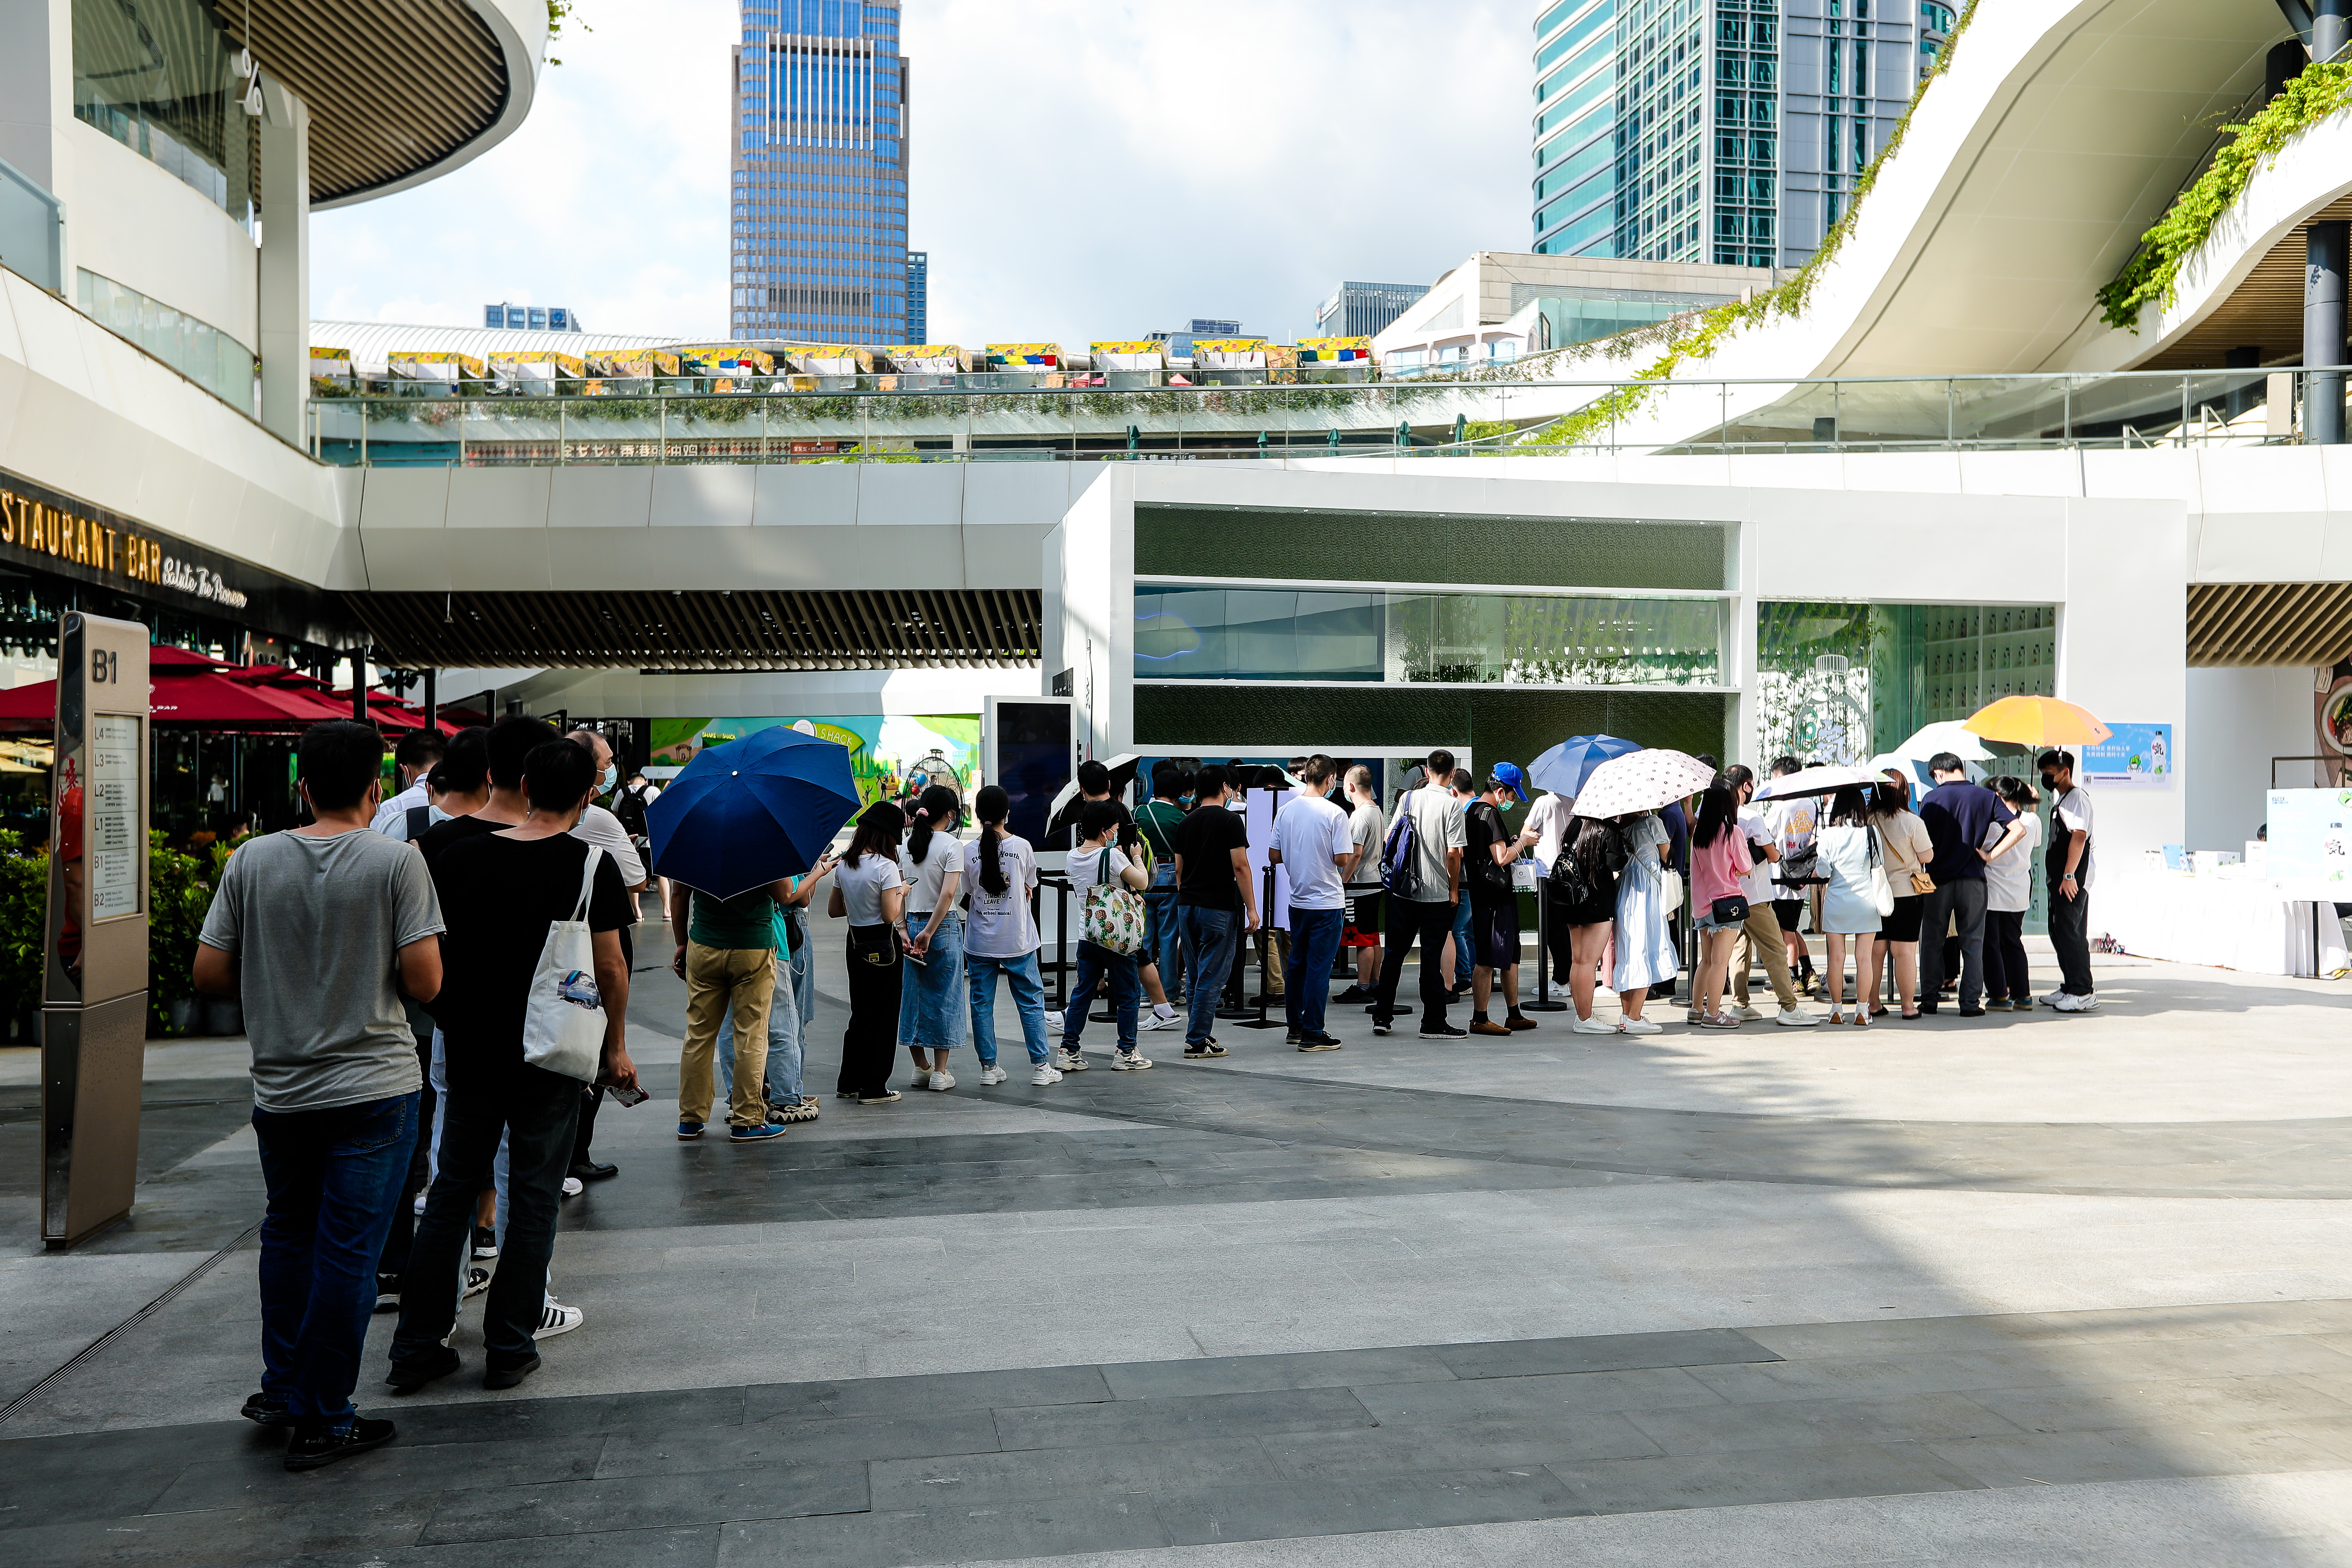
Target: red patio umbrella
column 185, row 690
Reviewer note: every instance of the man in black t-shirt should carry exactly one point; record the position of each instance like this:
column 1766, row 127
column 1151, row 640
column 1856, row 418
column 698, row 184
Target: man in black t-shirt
column 1493, row 908
column 503, row 888
column 1214, row 902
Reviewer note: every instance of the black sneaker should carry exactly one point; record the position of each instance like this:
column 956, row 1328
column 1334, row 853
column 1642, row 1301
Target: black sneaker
column 309, row 1451
column 267, row 1410
column 408, row 1376
column 1382, row 1025
column 1973, row 1012
column 1442, row 1030
column 1292, row 1037
column 1318, row 1042
column 1926, row 1006
column 387, row 1292
column 486, row 1242
column 508, row 1376
column 1353, row 993
column 1207, row 1051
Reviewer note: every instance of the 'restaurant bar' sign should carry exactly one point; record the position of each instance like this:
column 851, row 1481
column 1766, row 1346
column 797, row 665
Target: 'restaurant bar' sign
column 34, row 526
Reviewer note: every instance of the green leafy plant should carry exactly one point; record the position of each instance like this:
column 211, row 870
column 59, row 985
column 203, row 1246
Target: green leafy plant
column 2154, row 271
column 1696, row 335
column 179, row 892
column 24, row 916
column 558, row 13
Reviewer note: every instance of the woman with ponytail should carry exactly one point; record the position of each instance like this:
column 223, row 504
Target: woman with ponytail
column 870, row 890
column 931, row 999
column 1000, row 937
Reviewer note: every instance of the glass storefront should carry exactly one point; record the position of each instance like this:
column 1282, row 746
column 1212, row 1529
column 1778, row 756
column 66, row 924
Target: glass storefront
column 160, row 78
column 1844, row 682
column 1510, row 639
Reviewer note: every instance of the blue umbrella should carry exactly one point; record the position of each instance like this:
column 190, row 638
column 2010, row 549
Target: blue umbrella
column 1563, row 770
column 746, row 813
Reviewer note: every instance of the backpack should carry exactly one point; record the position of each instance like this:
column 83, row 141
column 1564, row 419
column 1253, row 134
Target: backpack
column 1400, row 854
column 1574, row 882
column 629, row 805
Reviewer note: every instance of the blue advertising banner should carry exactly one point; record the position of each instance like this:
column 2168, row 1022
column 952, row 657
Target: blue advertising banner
column 2137, row 756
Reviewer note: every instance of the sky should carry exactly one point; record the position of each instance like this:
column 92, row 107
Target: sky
column 1081, row 169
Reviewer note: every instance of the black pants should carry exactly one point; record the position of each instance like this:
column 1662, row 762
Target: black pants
column 2004, row 956
column 536, row 1109
column 396, row 1245
column 1961, row 902
column 2070, row 938
column 592, row 1095
column 870, row 1043
column 1432, row 923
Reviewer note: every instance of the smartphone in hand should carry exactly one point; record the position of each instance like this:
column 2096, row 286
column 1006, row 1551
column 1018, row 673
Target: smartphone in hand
column 626, row 1097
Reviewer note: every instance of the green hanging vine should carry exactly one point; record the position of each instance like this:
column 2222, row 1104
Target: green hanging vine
column 2154, row 271
column 1697, row 336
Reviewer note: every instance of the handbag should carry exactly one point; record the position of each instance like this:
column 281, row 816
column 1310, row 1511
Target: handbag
column 1112, row 918
column 1922, row 884
column 1730, row 912
column 1670, row 890
column 1882, row 890
column 876, row 945
column 563, row 1018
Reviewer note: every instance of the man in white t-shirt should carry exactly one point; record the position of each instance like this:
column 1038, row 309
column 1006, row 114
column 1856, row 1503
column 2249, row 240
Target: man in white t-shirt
column 1796, row 823
column 1315, row 842
column 1760, row 939
column 411, row 760
column 2068, row 863
column 1424, row 910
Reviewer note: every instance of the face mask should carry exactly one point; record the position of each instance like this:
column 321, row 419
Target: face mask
column 605, row 780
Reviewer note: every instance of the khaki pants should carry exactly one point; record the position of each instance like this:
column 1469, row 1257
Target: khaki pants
column 718, row 979
column 1762, row 938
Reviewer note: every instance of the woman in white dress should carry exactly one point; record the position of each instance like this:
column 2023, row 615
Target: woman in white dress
column 1849, row 848
column 1646, row 937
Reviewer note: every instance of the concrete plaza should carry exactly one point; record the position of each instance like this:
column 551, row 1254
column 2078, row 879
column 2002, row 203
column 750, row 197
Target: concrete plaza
column 2027, row 1289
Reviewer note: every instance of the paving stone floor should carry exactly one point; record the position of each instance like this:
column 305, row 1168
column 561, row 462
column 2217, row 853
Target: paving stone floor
column 1677, row 1299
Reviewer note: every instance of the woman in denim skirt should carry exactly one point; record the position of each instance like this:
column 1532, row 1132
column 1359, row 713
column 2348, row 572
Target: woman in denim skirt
column 933, row 1015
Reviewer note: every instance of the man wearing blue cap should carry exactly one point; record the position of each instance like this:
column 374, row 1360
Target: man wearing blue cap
column 1494, row 906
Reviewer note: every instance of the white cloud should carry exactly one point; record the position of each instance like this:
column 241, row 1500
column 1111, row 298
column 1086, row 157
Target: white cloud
column 1086, row 169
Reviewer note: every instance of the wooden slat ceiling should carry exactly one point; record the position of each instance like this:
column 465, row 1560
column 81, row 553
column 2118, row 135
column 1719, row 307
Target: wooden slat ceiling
column 392, row 86
column 2269, row 622
column 752, row 629
column 2264, row 311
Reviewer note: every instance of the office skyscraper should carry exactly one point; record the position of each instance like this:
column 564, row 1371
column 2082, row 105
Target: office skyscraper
column 918, row 297
column 1364, row 309
column 1716, row 131
column 819, row 172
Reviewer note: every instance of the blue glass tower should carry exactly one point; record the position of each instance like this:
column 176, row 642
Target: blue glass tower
column 918, row 297
column 819, row 167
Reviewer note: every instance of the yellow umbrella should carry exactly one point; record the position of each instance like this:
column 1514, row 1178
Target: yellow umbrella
column 2037, row 721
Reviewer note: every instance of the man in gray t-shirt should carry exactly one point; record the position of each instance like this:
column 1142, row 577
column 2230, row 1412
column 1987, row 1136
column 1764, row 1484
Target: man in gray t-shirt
column 319, row 930
column 1424, row 911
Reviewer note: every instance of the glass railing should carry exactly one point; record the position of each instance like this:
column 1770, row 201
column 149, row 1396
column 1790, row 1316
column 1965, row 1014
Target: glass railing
column 692, row 420
column 32, row 230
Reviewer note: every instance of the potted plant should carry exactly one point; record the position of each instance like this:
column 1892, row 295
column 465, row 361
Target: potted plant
column 178, row 895
column 24, row 915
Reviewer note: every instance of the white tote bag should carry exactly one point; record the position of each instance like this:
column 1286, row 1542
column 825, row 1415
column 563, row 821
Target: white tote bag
column 563, row 1023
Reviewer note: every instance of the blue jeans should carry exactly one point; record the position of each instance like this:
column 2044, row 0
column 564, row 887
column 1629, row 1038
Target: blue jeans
column 804, row 977
column 1209, row 939
column 1466, row 957
column 334, row 1179
column 1314, row 943
column 1028, row 999
column 933, row 999
column 784, row 1042
column 1096, row 964
column 1162, row 935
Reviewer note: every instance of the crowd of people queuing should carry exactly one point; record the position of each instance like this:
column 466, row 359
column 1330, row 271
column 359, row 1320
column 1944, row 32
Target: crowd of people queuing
column 389, row 952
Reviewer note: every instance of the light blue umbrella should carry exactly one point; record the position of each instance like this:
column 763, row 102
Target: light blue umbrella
column 1563, row 769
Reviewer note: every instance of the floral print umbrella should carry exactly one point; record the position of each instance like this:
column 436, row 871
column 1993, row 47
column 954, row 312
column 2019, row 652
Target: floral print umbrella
column 1642, row 781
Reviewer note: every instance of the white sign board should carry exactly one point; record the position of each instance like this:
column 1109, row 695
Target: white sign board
column 2310, row 838
column 113, row 818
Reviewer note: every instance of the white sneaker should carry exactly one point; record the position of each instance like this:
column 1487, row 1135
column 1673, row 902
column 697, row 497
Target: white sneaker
column 991, row 1073
column 1164, row 1010
column 476, row 1282
column 1053, row 1023
column 1130, row 1061
column 1151, row 1020
column 1071, row 1061
column 419, row 1206
column 2052, row 999
column 1043, row 1076
column 1592, row 1026
column 573, row 1186
column 1796, row 1019
column 555, row 1318
column 942, row 1080
column 1753, row 1016
column 2076, row 1004
column 1638, row 1026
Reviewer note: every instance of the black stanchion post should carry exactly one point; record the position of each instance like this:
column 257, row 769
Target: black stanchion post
column 1543, row 1002
column 1265, row 968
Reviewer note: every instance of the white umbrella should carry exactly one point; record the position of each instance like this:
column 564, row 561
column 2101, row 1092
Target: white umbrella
column 1815, row 780
column 1951, row 735
column 1640, row 781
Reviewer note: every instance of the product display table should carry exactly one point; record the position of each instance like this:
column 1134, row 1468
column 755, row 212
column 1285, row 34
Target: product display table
column 2242, row 922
